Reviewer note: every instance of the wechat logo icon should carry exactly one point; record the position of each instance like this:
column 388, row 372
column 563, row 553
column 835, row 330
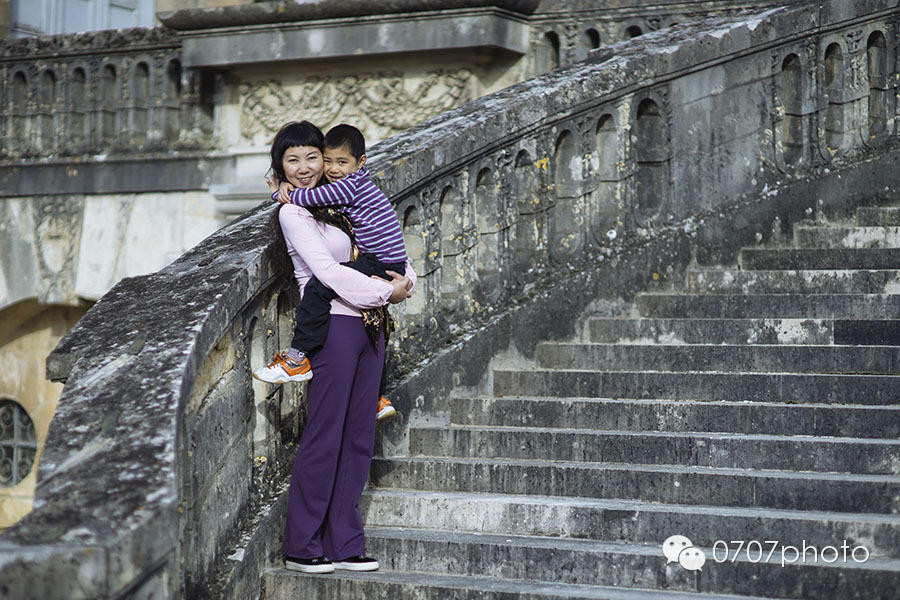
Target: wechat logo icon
column 679, row 549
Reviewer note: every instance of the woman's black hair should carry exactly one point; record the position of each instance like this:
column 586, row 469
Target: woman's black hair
column 295, row 133
column 304, row 133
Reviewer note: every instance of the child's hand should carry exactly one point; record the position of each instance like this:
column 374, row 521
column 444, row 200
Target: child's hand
column 273, row 187
column 284, row 192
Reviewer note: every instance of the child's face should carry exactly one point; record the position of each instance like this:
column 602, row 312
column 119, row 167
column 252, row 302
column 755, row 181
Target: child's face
column 303, row 166
column 339, row 163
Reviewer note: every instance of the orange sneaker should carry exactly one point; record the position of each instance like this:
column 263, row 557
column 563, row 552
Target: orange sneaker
column 385, row 409
column 283, row 369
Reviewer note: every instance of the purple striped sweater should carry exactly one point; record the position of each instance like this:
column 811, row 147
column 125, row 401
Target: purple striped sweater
column 375, row 223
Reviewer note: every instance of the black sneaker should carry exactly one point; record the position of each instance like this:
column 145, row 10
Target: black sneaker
column 357, row 563
column 310, row 565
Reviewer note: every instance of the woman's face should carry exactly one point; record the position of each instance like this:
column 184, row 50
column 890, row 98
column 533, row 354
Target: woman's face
column 303, row 166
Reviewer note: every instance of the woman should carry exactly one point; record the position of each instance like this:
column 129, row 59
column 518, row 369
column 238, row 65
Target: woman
column 332, row 463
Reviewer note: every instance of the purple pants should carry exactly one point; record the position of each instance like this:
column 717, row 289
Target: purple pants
column 332, row 462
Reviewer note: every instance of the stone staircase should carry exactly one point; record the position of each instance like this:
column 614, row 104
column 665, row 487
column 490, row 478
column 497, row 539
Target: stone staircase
column 761, row 404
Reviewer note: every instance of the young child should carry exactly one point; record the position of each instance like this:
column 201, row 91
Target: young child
column 378, row 237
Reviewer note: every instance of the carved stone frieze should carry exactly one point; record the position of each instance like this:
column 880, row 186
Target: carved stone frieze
column 571, row 41
column 854, row 40
column 384, row 99
column 857, row 77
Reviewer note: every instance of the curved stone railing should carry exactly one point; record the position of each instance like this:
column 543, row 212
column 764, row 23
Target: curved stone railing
column 521, row 211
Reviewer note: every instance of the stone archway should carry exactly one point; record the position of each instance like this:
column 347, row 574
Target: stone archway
column 28, row 332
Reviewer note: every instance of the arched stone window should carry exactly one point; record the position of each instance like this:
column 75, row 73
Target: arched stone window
column 488, row 210
column 592, row 38
column 879, row 99
column 451, row 244
column 78, row 110
column 528, row 204
column 607, row 141
column 45, row 112
column 18, row 111
column 18, row 443
column 172, row 102
column 548, row 53
column 109, row 102
column 652, row 153
column 792, row 102
column 606, row 173
column 415, row 248
column 834, row 90
column 633, row 31
column 566, row 215
column 140, row 94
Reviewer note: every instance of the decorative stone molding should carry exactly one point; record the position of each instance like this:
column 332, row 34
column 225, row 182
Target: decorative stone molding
column 91, row 42
column 382, row 98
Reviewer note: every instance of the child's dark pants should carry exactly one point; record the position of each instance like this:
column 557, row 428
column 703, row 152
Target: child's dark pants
column 314, row 312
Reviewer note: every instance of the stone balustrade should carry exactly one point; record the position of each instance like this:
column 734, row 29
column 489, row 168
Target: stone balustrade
column 100, row 93
column 164, row 469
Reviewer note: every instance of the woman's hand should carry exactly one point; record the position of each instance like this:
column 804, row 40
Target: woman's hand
column 402, row 286
column 284, row 192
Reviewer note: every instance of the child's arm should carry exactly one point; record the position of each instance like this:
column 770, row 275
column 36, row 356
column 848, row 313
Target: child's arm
column 340, row 193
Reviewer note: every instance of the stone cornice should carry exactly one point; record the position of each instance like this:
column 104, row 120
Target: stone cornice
column 287, row 12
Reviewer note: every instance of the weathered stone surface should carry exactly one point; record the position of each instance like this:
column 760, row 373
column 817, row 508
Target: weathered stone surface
column 711, row 331
column 680, row 416
column 481, row 30
column 820, row 258
column 825, row 281
column 718, row 486
column 617, row 520
column 734, row 386
column 820, row 306
column 285, row 12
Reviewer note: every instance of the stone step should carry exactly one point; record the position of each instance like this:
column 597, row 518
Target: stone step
column 792, row 281
column 767, row 306
column 625, row 521
column 281, row 584
column 680, row 416
column 878, row 216
column 867, row 331
column 719, row 357
column 806, row 236
column 732, row 387
column 711, row 331
column 819, row 258
column 728, row 450
column 628, row 565
column 654, row 483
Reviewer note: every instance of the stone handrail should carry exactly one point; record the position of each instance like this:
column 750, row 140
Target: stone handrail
column 589, row 182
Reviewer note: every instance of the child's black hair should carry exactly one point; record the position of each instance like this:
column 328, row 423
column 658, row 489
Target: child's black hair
column 295, row 133
column 346, row 136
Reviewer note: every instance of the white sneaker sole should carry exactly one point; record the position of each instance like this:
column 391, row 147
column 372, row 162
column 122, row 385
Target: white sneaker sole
column 282, row 379
column 347, row 566
column 385, row 413
column 308, row 568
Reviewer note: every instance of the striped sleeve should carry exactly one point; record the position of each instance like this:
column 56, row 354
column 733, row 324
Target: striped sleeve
column 339, row 193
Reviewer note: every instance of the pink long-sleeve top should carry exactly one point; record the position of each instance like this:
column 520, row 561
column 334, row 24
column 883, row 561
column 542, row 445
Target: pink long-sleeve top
column 318, row 249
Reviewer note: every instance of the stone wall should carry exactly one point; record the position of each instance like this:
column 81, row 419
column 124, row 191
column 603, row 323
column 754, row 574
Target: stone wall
column 520, row 210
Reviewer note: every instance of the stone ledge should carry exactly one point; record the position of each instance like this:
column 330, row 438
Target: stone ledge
column 276, row 42
column 140, row 174
column 287, row 12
